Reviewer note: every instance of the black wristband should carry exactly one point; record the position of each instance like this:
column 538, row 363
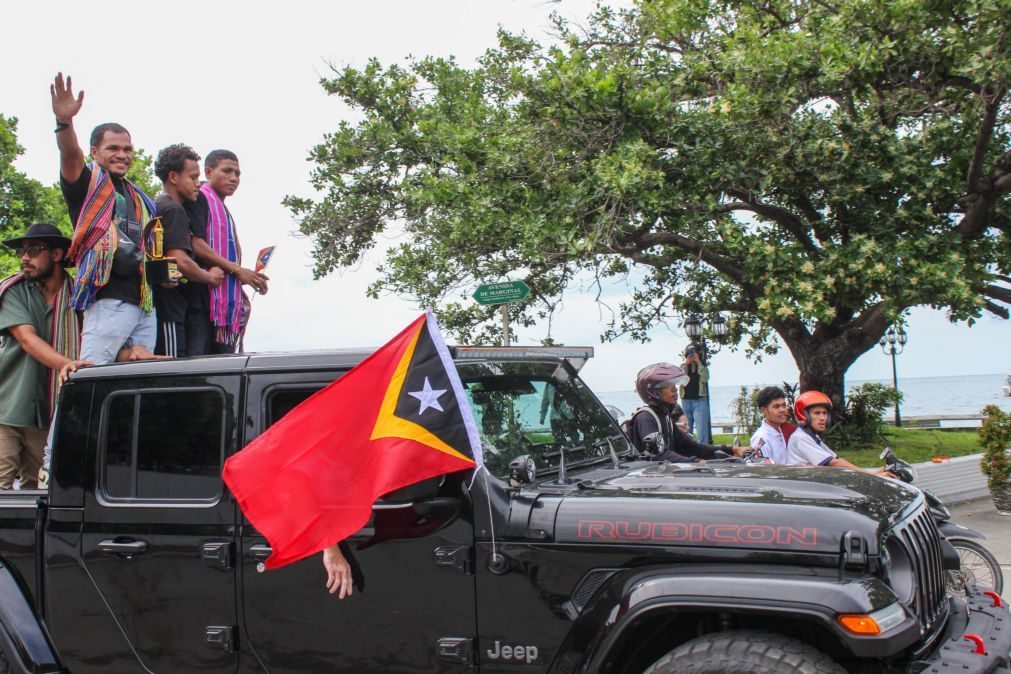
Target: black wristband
column 61, row 126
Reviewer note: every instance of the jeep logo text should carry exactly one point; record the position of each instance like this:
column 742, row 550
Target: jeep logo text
column 525, row 653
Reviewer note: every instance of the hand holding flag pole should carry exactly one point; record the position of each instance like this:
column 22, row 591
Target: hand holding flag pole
column 399, row 417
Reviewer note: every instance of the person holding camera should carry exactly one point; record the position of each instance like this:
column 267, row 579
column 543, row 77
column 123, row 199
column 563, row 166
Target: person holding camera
column 695, row 394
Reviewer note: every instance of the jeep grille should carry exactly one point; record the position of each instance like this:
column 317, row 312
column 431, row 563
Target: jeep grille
column 919, row 537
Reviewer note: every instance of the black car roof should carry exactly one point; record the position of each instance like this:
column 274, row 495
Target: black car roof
column 331, row 359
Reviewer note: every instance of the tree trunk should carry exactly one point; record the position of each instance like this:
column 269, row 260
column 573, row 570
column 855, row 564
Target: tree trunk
column 823, row 362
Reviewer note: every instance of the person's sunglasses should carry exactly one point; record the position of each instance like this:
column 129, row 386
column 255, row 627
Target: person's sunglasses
column 32, row 250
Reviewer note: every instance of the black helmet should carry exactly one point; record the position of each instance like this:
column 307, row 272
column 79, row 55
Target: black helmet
column 654, row 377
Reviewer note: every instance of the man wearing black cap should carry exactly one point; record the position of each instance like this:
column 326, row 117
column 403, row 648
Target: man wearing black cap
column 39, row 334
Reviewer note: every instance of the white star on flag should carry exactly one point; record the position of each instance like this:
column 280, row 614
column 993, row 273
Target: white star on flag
column 428, row 396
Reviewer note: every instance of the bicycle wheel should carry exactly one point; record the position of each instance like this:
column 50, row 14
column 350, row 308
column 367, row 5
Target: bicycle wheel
column 979, row 567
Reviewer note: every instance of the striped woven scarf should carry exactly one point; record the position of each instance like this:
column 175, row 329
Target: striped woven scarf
column 227, row 299
column 64, row 331
column 95, row 239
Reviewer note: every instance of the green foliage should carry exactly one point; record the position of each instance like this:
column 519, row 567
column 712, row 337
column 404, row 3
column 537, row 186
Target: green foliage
column 23, row 201
column 861, row 425
column 995, row 437
column 744, row 410
column 815, row 168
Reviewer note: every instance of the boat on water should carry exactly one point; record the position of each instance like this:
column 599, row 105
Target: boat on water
column 1007, row 385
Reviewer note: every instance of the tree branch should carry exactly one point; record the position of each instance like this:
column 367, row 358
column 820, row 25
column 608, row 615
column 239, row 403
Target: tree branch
column 978, row 203
column 786, row 219
column 998, row 293
column 983, row 137
column 997, row 310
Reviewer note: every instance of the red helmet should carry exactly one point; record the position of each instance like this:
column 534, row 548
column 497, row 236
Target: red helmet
column 654, row 377
column 809, row 399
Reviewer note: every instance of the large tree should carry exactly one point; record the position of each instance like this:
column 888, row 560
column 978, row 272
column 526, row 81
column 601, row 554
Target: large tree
column 814, row 168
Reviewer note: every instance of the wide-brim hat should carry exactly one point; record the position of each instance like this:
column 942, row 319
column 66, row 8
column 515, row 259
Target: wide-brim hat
column 42, row 231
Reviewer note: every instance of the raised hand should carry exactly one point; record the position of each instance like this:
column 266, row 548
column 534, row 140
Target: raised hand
column 65, row 105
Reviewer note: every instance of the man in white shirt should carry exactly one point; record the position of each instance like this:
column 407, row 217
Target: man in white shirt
column 770, row 438
column 805, row 447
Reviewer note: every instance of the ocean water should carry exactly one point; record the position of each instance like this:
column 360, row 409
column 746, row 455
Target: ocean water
column 921, row 396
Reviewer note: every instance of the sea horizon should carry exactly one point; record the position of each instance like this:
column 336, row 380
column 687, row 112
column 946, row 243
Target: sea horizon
column 921, row 396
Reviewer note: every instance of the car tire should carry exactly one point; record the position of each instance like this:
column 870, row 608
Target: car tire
column 745, row 652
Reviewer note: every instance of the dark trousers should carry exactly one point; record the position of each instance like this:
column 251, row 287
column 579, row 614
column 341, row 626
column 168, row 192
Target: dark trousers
column 200, row 336
column 171, row 339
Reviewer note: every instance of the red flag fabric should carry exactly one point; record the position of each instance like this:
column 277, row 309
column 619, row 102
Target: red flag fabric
column 397, row 418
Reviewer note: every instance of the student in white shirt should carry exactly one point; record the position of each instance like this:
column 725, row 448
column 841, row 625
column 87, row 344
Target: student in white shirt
column 770, row 438
column 805, row 447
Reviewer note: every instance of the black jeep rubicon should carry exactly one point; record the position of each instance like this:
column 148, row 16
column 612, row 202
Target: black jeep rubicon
column 570, row 555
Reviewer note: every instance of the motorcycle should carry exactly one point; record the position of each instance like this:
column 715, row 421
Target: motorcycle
column 977, row 565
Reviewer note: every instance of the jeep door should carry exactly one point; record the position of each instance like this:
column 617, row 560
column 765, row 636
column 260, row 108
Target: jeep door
column 159, row 529
column 413, row 603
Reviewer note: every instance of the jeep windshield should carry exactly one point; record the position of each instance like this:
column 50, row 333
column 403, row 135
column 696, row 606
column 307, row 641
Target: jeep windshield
column 539, row 409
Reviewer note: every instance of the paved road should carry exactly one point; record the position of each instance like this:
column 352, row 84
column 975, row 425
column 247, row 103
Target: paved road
column 982, row 516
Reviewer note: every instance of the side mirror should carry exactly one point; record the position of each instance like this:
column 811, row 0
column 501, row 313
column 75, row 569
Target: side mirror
column 522, row 470
column 438, row 508
column 653, row 443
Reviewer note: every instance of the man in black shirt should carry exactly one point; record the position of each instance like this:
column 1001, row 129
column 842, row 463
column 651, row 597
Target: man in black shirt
column 223, row 176
column 108, row 213
column 178, row 168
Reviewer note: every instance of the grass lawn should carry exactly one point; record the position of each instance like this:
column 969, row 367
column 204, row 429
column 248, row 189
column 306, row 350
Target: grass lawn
column 911, row 444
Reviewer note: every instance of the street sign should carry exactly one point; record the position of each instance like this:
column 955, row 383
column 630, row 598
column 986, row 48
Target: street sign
column 501, row 293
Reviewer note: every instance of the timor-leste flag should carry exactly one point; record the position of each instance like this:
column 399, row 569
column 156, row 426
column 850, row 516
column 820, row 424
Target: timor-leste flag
column 397, row 418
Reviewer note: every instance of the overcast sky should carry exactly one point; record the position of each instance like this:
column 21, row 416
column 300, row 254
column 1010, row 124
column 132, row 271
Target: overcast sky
column 245, row 76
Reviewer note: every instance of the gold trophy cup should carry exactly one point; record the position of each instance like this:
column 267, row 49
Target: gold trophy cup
column 160, row 269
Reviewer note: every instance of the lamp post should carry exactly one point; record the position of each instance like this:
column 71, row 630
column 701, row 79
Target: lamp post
column 694, row 328
column 893, row 343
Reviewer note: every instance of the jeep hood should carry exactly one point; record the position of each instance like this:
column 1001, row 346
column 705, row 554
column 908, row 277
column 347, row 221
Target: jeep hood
column 801, row 509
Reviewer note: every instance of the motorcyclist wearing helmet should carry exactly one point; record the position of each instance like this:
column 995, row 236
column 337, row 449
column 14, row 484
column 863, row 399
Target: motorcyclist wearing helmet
column 813, row 409
column 652, row 431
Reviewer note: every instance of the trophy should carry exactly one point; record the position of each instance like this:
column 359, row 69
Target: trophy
column 160, row 269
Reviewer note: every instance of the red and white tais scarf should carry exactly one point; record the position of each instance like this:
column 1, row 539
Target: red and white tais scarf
column 64, row 332
column 96, row 238
column 227, row 300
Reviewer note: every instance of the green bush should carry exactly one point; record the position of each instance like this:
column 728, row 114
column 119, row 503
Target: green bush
column 860, row 425
column 995, row 438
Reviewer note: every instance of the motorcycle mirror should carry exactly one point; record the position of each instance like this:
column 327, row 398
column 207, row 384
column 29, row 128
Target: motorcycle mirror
column 887, row 455
column 522, row 470
column 653, row 443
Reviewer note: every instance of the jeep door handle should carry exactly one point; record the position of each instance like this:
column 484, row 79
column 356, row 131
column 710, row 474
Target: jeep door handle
column 260, row 552
column 123, row 548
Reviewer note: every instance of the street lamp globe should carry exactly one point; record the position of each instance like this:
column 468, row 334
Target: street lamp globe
column 891, row 335
column 693, row 327
column 719, row 326
column 903, row 337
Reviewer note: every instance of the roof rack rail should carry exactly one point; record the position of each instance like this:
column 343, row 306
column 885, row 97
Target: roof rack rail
column 576, row 355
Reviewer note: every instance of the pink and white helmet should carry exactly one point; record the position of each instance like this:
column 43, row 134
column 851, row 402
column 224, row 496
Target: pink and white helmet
column 654, row 377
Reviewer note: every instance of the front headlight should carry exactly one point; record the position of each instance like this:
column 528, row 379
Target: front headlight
column 900, row 570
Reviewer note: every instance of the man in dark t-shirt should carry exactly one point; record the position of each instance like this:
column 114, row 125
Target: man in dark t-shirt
column 223, row 176
column 177, row 166
column 111, row 292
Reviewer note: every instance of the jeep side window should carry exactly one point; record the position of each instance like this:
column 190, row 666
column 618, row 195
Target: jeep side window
column 163, row 445
column 281, row 400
